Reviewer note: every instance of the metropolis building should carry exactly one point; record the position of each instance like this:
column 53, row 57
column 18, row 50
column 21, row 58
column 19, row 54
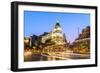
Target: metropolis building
column 57, row 36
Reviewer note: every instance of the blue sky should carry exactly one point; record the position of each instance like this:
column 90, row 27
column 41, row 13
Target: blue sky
column 39, row 22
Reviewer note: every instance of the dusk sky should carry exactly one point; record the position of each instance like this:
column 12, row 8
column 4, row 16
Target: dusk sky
column 39, row 22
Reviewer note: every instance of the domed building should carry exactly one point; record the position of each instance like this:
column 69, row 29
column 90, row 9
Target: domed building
column 56, row 36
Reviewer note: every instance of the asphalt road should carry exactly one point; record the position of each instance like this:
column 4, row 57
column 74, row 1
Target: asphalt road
column 39, row 57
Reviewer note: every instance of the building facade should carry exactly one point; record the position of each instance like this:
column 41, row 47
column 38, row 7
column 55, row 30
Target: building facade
column 56, row 36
